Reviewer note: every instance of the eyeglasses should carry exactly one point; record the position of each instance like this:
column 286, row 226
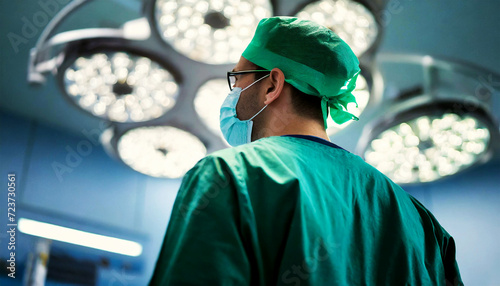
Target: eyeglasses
column 231, row 76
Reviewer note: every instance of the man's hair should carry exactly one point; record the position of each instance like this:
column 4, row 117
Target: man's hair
column 304, row 104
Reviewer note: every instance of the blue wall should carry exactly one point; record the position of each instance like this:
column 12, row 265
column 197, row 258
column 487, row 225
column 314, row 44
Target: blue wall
column 104, row 196
column 468, row 207
column 96, row 194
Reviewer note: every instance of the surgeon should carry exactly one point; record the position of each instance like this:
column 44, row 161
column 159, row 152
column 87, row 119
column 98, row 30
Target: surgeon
column 286, row 206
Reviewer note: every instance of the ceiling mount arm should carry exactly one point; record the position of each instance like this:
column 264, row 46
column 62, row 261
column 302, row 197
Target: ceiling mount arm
column 41, row 59
column 33, row 75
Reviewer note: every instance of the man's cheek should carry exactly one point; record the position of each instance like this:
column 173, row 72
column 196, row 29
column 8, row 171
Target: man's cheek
column 239, row 111
column 242, row 108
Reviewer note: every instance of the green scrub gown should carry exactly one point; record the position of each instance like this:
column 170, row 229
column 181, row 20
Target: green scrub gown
column 289, row 210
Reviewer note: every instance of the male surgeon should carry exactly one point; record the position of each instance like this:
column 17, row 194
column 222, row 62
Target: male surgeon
column 286, row 206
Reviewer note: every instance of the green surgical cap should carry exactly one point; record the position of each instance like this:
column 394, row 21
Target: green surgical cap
column 314, row 59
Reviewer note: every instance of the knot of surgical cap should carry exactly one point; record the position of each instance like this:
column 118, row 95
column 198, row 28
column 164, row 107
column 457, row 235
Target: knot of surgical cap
column 313, row 59
column 337, row 104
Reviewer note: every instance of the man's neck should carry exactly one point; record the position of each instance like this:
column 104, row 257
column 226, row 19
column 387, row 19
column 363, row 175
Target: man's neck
column 279, row 126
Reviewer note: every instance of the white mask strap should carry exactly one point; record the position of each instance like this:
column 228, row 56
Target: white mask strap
column 250, row 86
column 258, row 112
column 255, row 82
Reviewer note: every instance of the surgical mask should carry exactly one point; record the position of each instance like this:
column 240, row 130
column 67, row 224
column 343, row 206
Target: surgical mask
column 236, row 132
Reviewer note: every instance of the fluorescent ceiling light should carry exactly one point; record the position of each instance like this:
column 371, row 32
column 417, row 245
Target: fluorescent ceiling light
column 137, row 29
column 78, row 237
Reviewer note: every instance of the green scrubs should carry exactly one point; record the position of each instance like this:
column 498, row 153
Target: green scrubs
column 299, row 211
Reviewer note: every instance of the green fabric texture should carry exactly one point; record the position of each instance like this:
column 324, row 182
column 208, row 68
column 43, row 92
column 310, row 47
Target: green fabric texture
column 313, row 58
column 292, row 211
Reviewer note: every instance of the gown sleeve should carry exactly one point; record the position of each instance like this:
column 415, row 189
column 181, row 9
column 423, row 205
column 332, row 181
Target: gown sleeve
column 203, row 245
column 446, row 245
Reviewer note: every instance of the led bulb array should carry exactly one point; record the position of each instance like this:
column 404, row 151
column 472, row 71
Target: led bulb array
column 120, row 87
column 214, row 31
column 428, row 147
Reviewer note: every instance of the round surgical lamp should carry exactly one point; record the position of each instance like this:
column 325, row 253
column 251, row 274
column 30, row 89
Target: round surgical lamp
column 158, row 151
column 208, row 101
column 353, row 21
column 430, row 141
column 119, row 86
column 214, row 32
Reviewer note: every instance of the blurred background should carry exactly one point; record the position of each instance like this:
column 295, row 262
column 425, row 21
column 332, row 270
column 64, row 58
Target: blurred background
column 104, row 106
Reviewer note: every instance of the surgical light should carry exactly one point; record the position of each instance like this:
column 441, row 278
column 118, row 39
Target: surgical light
column 429, row 147
column 160, row 151
column 352, row 21
column 214, row 31
column 120, row 86
column 208, row 101
column 78, row 237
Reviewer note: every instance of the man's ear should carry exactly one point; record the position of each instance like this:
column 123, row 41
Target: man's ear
column 275, row 85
